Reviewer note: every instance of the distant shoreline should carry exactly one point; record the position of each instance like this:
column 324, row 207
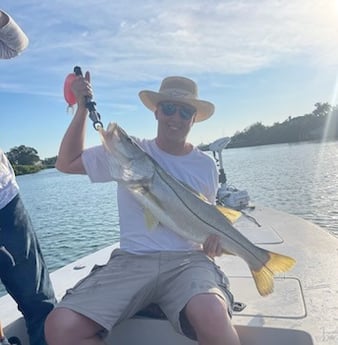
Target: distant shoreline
column 29, row 169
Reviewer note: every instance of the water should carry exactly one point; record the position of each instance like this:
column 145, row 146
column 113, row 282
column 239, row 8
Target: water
column 301, row 179
column 73, row 217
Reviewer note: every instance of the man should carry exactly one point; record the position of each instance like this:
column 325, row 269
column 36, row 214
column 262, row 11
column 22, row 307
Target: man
column 22, row 267
column 150, row 267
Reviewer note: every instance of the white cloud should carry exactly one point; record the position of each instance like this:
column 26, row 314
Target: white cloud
column 134, row 40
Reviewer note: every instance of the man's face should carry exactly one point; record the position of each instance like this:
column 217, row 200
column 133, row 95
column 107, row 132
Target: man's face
column 174, row 120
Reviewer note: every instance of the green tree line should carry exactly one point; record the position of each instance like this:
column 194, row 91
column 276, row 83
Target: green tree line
column 320, row 124
column 25, row 160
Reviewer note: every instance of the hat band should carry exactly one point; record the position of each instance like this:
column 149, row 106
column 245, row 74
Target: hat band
column 178, row 93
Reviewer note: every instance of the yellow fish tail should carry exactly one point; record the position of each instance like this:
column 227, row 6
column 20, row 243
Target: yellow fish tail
column 277, row 263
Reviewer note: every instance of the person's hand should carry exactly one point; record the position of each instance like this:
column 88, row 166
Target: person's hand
column 81, row 88
column 212, row 246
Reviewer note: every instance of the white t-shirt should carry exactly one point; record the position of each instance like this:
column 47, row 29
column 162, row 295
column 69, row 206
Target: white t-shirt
column 195, row 169
column 8, row 185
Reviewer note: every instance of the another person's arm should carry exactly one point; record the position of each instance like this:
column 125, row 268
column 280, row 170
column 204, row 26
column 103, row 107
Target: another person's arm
column 12, row 39
column 72, row 145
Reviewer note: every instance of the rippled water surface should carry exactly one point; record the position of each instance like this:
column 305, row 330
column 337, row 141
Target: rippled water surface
column 73, row 217
column 301, row 179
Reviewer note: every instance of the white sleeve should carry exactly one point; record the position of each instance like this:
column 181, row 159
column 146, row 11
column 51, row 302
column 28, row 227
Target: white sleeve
column 12, row 39
column 96, row 163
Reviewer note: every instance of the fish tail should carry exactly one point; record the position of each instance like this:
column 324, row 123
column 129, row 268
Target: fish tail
column 277, row 263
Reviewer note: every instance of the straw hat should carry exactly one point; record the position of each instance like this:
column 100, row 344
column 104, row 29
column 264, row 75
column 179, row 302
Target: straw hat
column 178, row 89
column 12, row 39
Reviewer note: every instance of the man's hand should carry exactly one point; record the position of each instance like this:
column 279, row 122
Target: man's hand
column 82, row 88
column 212, row 246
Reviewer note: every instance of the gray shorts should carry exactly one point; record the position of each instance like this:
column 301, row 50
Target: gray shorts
column 128, row 283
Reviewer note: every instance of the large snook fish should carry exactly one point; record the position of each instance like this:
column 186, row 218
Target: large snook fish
column 171, row 203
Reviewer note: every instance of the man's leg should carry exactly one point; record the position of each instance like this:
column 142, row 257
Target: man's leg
column 208, row 315
column 194, row 294
column 67, row 327
column 109, row 294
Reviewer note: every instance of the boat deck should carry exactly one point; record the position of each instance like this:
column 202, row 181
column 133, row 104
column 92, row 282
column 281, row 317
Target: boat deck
column 303, row 309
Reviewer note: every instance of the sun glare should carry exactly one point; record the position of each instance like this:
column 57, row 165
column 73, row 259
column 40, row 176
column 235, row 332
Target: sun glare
column 333, row 102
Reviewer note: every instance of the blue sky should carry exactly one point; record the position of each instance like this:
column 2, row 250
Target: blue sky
column 257, row 61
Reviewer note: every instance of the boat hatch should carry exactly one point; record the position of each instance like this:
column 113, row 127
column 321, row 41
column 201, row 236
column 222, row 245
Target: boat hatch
column 286, row 302
column 263, row 234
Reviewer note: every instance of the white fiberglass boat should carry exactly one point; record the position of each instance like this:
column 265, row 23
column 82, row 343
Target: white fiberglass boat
column 302, row 310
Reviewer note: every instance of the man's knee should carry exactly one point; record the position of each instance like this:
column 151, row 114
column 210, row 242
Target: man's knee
column 209, row 316
column 205, row 308
column 61, row 324
column 64, row 326
column 57, row 323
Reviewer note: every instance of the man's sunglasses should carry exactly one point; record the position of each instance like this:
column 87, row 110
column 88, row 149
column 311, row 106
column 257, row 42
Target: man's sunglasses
column 186, row 111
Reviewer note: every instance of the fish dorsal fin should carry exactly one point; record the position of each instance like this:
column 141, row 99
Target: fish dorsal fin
column 151, row 221
column 193, row 191
column 231, row 214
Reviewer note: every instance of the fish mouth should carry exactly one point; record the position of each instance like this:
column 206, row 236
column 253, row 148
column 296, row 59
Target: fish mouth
column 114, row 136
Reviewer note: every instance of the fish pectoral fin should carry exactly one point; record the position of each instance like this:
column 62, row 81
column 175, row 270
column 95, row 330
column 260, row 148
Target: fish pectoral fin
column 229, row 213
column 277, row 263
column 152, row 203
column 151, row 221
